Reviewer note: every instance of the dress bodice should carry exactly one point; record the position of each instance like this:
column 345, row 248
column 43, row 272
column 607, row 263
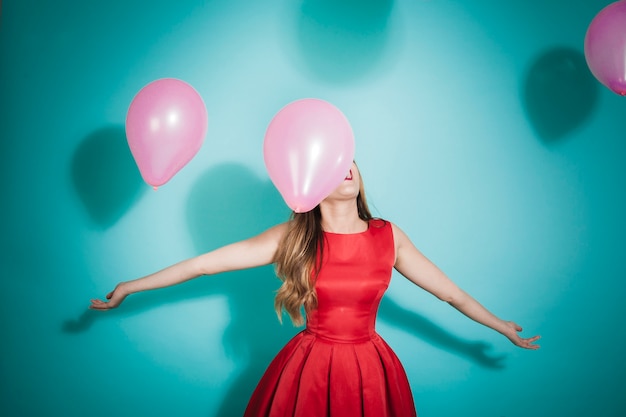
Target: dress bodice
column 355, row 272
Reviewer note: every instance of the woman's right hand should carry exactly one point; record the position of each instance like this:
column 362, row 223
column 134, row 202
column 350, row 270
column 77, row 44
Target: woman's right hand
column 114, row 299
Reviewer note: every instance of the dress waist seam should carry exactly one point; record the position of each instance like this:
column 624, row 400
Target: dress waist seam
column 363, row 339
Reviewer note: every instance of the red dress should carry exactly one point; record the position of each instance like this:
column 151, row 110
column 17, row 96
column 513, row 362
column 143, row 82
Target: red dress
column 339, row 366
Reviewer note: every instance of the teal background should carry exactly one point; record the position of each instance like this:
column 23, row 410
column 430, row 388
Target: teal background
column 479, row 131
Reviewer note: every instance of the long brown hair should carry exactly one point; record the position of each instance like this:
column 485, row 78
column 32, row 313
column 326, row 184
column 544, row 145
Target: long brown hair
column 297, row 262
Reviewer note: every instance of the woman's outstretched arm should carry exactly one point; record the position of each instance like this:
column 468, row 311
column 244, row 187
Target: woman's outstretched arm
column 411, row 263
column 256, row 251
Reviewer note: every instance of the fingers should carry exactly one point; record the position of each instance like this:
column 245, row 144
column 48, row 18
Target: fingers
column 112, row 300
column 533, row 340
column 100, row 305
column 96, row 305
column 529, row 343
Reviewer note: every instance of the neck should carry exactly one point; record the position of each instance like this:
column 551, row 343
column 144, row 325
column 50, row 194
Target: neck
column 341, row 217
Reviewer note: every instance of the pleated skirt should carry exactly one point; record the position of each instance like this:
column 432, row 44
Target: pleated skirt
column 316, row 377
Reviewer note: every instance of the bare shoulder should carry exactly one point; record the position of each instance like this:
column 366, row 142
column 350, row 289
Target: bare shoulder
column 272, row 235
column 400, row 242
column 399, row 237
column 277, row 232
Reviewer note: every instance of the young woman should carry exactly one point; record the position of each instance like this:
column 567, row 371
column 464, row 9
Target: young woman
column 335, row 262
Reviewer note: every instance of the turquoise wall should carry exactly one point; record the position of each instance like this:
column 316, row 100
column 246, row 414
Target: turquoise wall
column 479, row 131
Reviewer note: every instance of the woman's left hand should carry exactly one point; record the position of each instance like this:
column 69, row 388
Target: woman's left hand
column 512, row 334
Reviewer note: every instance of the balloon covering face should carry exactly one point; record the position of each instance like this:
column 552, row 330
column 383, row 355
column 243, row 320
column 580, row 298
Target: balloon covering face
column 605, row 47
column 349, row 188
column 308, row 149
column 165, row 127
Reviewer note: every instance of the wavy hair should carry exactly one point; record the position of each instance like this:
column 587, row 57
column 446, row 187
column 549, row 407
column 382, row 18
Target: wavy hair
column 298, row 260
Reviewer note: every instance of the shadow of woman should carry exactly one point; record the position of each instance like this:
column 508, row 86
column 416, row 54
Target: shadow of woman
column 252, row 338
column 426, row 330
column 230, row 203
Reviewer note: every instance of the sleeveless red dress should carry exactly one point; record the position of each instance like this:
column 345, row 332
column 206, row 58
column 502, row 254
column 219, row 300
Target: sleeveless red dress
column 339, row 366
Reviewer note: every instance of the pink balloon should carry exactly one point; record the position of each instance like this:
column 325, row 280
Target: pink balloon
column 165, row 127
column 308, row 150
column 605, row 47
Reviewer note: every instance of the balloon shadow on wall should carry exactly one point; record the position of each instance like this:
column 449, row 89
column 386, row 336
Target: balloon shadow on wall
column 105, row 176
column 342, row 40
column 559, row 93
column 426, row 330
